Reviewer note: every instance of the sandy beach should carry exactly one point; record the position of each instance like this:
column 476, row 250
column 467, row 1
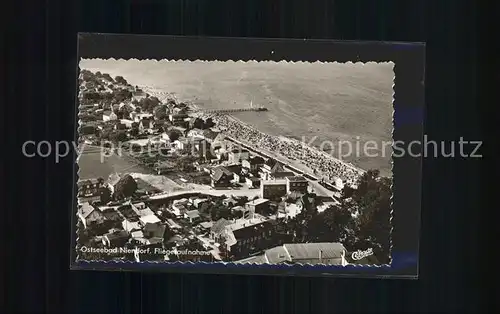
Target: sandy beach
column 329, row 102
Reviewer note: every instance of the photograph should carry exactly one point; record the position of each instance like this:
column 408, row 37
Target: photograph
column 243, row 162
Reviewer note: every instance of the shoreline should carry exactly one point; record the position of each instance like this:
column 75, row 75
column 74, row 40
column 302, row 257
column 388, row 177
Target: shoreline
column 330, row 168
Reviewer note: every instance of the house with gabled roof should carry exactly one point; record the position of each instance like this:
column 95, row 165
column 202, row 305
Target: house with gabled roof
column 327, row 253
column 237, row 155
column 146, row 125
column 297, row 184
column 246, row 236
column 253, row 163
column 89, row 215
column 210, row 135
column 221, row 177
column 90, row 190
column 116, row 239
column 270, row 167
column 154, row 230
column 109, row 115
column 193, row 216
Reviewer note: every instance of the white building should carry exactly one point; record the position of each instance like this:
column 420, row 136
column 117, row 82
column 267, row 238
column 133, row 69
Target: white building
column 109, row 115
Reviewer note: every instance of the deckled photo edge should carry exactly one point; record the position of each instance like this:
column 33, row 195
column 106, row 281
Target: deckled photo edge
column 78, row 225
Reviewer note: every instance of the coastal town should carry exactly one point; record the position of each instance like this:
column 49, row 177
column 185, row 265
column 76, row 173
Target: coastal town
column 202, row 186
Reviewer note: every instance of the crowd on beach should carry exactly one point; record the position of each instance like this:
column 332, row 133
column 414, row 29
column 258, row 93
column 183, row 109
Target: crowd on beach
column 323, row 165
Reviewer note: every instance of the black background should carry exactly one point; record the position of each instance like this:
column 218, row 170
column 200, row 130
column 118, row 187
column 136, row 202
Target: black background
column 40, row 48
column 408, row 99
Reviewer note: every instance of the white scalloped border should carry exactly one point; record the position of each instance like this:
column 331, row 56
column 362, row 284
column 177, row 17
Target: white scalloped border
column 242, row 265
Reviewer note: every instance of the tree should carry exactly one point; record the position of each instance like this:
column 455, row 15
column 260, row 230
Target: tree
column 185, row 163
column 120, row 95
column 118, row 136
column 121, row 80
column 242, row 200
column 213, row 213
column 105, row 194
column 105, row 134
column 371, row 200
column 209, row 123
column 160, row 112
column 87, row 117
column 92, row 96
column 198, row 123
column 340, row 225
column 149, row 103
column 134, row 132
column 125, row 187
column 125, row 111
column 173, row 134
column 107, row 77
column 87, row 130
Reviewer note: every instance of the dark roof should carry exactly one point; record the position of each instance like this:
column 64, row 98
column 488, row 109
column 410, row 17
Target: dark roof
column 270, row 162
column 209, row 134
column 297, row 179
column 198, row 139
column 257, row 160
column 219, row 225
column 128, row 212
column 86, row 209
column 122, row 234
column 238, row 150
column 157, row 230
column 219, row 172
column 252, row 230
column 285, row 174
column 306, row 199
column 234, row 168
column 180, row 115
column 111, row 214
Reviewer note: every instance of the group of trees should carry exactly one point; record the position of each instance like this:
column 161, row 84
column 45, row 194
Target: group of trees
column 199, row 123
column 121, row 80
column 173, row 134
column 125, row 187
column 114, row 136
column 160, row 112
column 87, row 130
column 361, row 221
column 185, row 163
column 148, row 104
column 87, row 117
column 121, row 95
column 104, row 76
column 218, row 211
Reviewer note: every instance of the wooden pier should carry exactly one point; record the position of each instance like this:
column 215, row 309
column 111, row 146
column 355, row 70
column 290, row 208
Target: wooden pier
column 231, row 110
